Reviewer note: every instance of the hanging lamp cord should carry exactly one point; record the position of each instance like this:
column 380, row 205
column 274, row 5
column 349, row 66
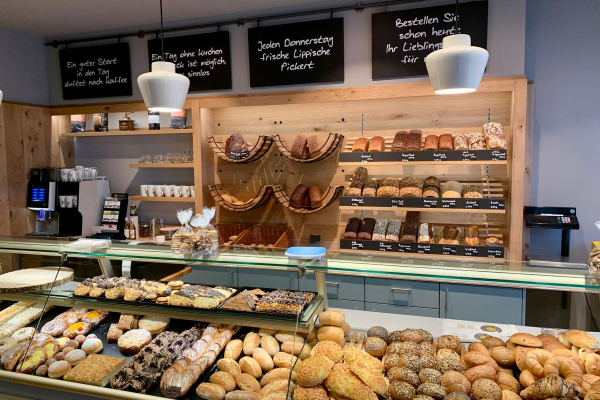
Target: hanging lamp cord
column 455, row 17
column 162, row 33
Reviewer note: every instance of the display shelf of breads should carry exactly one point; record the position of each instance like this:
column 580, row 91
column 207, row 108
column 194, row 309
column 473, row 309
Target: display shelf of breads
column 237, row 150
column 308, row 149
column 412, row 236
column 415, row 193
column 487, row 146
column 307, row 199
column 232, row 203
column 279, row 302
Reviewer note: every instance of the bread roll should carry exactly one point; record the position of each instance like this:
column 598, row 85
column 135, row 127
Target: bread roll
column 375, row 346
column 492, row 341
column 453, row 381
column 251, row 341
column 507, row 382
column 313, row 371
column 270, row 344
column 480, row 372
column 223, row 379
column 332, row 333
column 477, row 346
column 503, row 356
column 285, row 360
column 266, row 332
column 332, row 317
column 277, row 374
column 233, row 349
column 250, row 366
column 230, row 366
column 361, row 144
column 242, row 395
column 280, row 385
column 283, row 336
column 247, row 382
column 297, row 348
column 263, row 358
column 210, row 391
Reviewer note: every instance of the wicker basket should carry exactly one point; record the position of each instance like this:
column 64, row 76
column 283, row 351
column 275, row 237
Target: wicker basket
column 279, row 236
column 228, row 230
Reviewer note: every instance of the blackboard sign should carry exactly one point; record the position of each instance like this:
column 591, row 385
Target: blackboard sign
column 292, row 54
column 424, row 155
column 97, row 71
column 402, row 39
column 205, row 59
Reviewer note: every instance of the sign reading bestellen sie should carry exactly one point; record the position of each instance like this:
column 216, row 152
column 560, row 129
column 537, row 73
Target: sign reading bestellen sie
column 97, row 71
column 298, row 53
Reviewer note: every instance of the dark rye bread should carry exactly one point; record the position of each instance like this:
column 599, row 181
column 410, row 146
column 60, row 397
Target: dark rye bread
column 399, row 142
column 299, row 196
column 234, row 144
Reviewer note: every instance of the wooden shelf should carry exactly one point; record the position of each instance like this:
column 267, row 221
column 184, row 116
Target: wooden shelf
column 411, row 163
column 258, row 151
column 330, row 146
column 173, row 165
column 418, row 255
column 129, row 133
column 442, row 210
column 164, row 199
column 327, row 199
column 263, row 195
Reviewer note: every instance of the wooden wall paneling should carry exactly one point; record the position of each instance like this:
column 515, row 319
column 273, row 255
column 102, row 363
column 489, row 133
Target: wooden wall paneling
column 204, row 171
column 528, row 166
column 5, row 220
column 197, row 145
column 120, row 107
column 517, row 165
column 62, row 149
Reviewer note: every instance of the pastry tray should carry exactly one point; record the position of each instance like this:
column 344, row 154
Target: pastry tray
column 291, row 317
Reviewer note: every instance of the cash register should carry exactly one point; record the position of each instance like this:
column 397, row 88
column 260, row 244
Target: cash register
column 563, row 218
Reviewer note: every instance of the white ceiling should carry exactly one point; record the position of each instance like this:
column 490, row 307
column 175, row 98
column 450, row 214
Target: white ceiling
column 54, row 18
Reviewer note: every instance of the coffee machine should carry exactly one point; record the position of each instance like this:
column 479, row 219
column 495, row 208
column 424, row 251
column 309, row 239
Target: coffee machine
column 41, row 198
column 76, row 207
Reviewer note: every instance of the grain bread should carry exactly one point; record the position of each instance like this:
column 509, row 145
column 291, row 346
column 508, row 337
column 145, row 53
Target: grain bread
column 446, row 142
column 370, row 188
column 451, row 189
column 132, row 341
column 375, row 346
column 472, row 235
column 314, row 193
column 461, row 142
column 360, row 145
column 342, row 382
column 476, row 141
column 312, row 142
column 413, row 142
column 299, row 145
column 352, row 228
column 313, row 371
column 431, row 142
column 377, row 143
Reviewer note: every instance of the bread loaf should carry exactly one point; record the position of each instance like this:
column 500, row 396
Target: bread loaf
column 223, row 379
column 333, row 333
column 392, row 233
column 399, row 143
column 493, row 129
column 461, row 142
column 230, row 366
column 251, row 341
column 413, row 142
column 242, row 395
column 277, row 374
column 234, row 144
column 370, row 188
column 233, row 349
column 471, row 192
column 451, row 189
column 411, row 186
column 472, row 235
column 365, row 231
column 250, row 366
column 377, row 143
column 389, row 187
column 263, row 358
column 270, row 344
column 285, row 360
column 247, row 382
column 431, row 142
column 299, row 145
column 375, row 346
column 312, row 143
column 352, row 228
column 496, row 142
column 299, row 195
column 380, row 229
column 360, row 145
column 426, row 233
column 332, row 317
column 476, row 141
column 297, row 348
column 314, row 193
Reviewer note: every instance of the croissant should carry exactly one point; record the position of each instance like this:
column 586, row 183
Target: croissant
column 551, row 386
column 564, row 367
column 593, row 392
column 592, row 363
column 535, row 360
column 588, row 381
column 527, row 378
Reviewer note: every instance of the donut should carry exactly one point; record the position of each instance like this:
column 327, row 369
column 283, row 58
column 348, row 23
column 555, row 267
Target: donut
column 6, row 343
column 23, row 334
column 58, row 369
column 54, row 327
column 80, row 328
column 94, row 317
column 92, row 346
column 69, row 316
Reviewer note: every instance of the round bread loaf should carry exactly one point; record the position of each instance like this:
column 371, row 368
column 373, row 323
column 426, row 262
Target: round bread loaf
column 378, row 331
column 313, row 371
column 486, row 389
column 411, row 335
column 404, row 374
column 446, row 364
column 285, row 360
column 503, row 356
column 427, row 361
column 400, row 390
column 375, row 346
column 449, row 342
column 333, row 333
column 58, row 369
column 479, row 347
column 432, row 390
column 453, row 381
column 332, row 317
column 474, row 358
column 328, row 349
column 210, row 391
column 507, row 382
column 582, row 339
column 430, row 375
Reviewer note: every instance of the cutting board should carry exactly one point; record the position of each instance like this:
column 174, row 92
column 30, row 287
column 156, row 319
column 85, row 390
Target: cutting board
column 32, row 279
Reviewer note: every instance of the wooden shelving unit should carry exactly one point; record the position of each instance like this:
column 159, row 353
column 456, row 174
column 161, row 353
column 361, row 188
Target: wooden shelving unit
column 167, row 166
column 164, row 199
column 129, row 133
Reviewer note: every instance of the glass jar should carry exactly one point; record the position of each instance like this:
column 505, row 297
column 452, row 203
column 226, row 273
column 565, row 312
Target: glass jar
column 144, row 230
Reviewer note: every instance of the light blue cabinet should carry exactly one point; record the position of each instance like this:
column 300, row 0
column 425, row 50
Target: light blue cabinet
column 391, row 309
column 216, row 276
column 402, row 292
column 341, row 287
column 482, row 303
column 347, row 304
column 262, row 278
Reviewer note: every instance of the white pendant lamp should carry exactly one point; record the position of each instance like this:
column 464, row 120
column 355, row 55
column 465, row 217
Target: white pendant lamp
column 163, row 90
column 458, row 67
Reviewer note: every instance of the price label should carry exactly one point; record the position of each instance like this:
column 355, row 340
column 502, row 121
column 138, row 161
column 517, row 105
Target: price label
column 468, row 155
column 495, row 253
column 448, row 203
column 423, row 248
column 357, row 201
column 239, row 156
column 437, row 156
column 497, row 205
column 397, row 202
column 366, row 157
column 408, row 156
column 472, row 204
column 449, row 250
column 430, row 203
column 471, row 251
column 498, row 155
column 357, row 245
column 385, row 246
column 404, row 248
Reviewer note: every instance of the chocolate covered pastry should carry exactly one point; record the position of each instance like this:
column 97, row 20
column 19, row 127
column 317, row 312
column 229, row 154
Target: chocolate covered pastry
column 360, row 145
column 400, row 139
column 450, row 235
column 393, row 231
column 476, row 141
column 352, row 228
column 370, row 188
column 446, row 142
column 461, row 142
column 244, row 301
column 377, row 143
column 284, row 302
column 451, row 190
column 431, row 142
column 471, row 192
column 413, row 142
column 299, row 195
column 389, row 187
column 199, row 296
column 380, row 229
column 365, row 232
column 411, row 186
column 472, row 235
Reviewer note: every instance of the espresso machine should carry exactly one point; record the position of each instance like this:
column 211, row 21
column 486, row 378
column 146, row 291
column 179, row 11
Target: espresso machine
column 41, row 198
column 73, row 208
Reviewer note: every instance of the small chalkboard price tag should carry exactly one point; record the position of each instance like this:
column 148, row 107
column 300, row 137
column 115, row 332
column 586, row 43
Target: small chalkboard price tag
column 472, row 204
column 471, row 251
column 499, row 155
column 408, row 156
column 430, row 203
column 402, row 39
column 397, row 202
column 96, row 71
column 448, row 203
column 386, row 246
column 449, row 250
column 405, row 248
column 205, row 59
column 495, row 252
column 357, row 201
column 357, row 245
column 468, row 155
column 440, row 156
column 298, row 53
column 423, row 248
column 239, row 156
column 497, row 204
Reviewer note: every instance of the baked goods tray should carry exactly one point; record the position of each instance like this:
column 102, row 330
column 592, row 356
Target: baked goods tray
column 291, row 317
